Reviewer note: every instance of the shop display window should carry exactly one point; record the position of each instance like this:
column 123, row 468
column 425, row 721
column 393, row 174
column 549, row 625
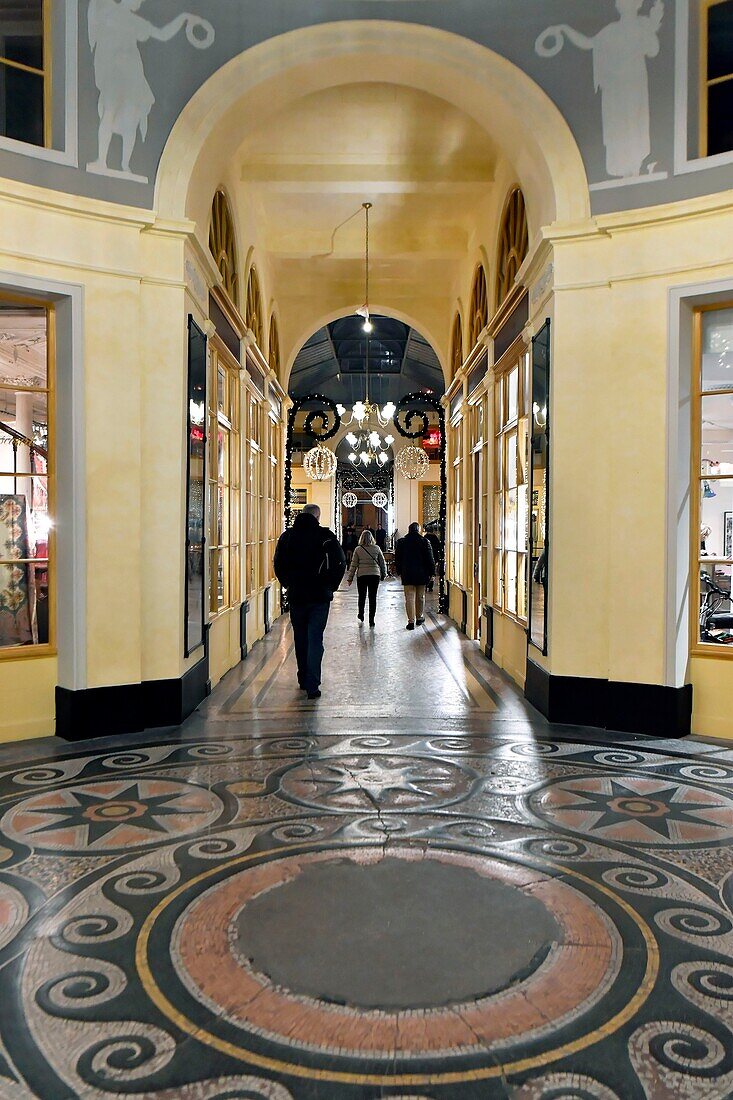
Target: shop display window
column 716, row 96
column 713, row 473
column 275, row 511
column 252, row 485
column 457, row 534
column 26, row 478
column 224, row 480
column 511, row 506
column 24, row 76
column 195, row 489
column 539, row 489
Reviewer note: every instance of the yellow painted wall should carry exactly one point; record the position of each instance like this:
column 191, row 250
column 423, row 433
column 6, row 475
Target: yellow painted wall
column 27, row 690
column 510, row 648
column 712, row 712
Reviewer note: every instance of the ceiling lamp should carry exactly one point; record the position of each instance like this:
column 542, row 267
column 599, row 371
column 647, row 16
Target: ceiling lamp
column 368, row 447
column 412, row 462
column 320, row 463
column 364, row 413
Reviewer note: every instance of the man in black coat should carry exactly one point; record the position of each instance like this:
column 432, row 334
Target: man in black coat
column 415, row 565
column 310, row 563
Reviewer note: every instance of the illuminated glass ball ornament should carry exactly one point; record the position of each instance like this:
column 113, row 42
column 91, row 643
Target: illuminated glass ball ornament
column 320, row 463
column 349, row 500
column 379, row 500
column 412, row 462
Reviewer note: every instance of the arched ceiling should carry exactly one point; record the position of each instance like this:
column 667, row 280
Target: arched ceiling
column 334, row 361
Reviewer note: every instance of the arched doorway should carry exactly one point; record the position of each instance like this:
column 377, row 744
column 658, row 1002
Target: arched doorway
column 340, row 371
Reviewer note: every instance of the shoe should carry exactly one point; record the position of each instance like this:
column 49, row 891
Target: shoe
column 371, row 624
column 314, row 694
column 360, row 618
column 419, row 622
column 410, row 626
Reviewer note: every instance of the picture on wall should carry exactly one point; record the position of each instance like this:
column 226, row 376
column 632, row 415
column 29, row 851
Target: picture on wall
column 728, row 534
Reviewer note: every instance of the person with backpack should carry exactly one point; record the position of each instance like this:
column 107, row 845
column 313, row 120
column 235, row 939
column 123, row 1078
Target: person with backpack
column 369, row 568
column 415, row 565
column 310, row 564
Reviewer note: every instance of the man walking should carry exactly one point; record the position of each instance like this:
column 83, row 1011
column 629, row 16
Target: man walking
column 310, row 563
column 415, row 565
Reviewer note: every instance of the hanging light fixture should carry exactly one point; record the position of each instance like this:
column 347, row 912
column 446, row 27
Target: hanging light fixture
column 379, row 500
column 412, row 462
column 349, row 500
column 365, row 413
column 320, row 463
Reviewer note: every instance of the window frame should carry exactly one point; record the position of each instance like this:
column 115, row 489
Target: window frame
column 699, row 648
column 518, row 358
column 512, row 245
column 456, row 345
column 456, row 549
column 46, row 74
column 253, row 316
column 705, row 84
column 230, row 550
column 223, row 244
column 49, row 648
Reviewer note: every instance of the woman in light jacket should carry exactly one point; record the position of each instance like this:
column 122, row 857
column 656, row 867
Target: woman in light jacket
column 369, row 567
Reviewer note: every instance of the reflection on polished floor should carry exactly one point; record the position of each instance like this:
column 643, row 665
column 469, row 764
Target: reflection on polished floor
column 411, row 888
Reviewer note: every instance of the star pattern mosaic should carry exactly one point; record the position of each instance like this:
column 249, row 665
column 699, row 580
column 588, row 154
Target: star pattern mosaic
column 295, row 902
column 124, row 976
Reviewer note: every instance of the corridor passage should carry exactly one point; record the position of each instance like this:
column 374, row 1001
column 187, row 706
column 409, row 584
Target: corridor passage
column 413, row 888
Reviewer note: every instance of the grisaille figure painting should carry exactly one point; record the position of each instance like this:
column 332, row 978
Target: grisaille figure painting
column 116, row 32
column 621, row 52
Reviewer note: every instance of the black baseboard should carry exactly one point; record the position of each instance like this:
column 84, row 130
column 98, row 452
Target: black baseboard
column 130, row 708
column 650, row 709
column 243, row 613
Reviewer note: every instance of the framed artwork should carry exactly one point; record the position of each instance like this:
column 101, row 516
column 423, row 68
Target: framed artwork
column 728, row 534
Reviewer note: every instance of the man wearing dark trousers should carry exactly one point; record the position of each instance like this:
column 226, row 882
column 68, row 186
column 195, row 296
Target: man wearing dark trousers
column 310, row 564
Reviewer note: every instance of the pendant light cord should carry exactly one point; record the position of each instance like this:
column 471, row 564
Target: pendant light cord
column 367, row 207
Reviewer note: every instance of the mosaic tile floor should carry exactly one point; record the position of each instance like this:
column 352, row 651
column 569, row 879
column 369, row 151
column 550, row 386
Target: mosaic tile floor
column 414, row 888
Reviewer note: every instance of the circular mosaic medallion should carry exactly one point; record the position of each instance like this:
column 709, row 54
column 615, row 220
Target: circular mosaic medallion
column 243, row 983
column 116, row 815
column 636, row 810
column 390, row 782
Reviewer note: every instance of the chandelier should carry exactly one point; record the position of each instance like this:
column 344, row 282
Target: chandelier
column 369, row 447
column 412, row 462
column 320, row 463
column 366, row 413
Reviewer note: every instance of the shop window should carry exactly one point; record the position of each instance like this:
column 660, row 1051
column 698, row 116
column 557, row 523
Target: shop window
column 252, row 482
column 275, row 511
column 274, row 347
column 457, row 535
column 513, row 245
column 479, row 312
column 24, row 78
column 223, row 245
column 713, row 480
column 511, row 400
column 456, row 346
column 253, row 315
column 716, row 95
column 26, row 477
column 224, row 481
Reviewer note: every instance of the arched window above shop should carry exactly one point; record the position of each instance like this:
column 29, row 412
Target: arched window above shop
column 274, row 346
column 223, row 245
column 513, row 244
column 253, row 314
column 479, row 313
column 456, row 346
